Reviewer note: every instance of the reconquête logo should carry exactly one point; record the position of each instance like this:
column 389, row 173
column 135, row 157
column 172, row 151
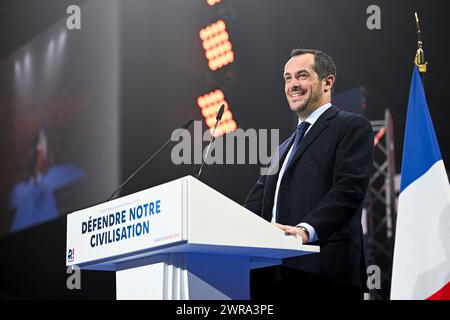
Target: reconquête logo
column 71, row 255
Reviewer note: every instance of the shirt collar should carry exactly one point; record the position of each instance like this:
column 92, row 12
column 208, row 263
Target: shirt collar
column 312, row 118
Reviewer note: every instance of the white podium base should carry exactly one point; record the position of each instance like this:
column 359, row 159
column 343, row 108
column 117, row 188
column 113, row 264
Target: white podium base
column 185, row 276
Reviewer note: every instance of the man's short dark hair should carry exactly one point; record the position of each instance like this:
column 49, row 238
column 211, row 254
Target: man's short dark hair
column 323, row 64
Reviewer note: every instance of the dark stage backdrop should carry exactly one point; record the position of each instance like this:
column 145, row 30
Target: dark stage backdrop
column 80, row 110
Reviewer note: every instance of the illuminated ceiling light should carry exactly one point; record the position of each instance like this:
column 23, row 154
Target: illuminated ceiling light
column 62, row 39
column 27, row 62
column 212, row 2
column 210, row 104
column 51, row 46
column 217, row 45
column 17, row 67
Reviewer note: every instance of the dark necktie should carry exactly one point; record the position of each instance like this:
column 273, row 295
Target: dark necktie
column 299, row 134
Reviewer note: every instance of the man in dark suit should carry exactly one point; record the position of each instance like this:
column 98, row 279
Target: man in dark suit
column 317, row 189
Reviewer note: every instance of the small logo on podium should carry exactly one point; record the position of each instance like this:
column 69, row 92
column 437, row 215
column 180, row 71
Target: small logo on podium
column 71, row 255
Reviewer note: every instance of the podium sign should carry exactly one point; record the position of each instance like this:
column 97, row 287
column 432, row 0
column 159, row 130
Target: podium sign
column 139, row 222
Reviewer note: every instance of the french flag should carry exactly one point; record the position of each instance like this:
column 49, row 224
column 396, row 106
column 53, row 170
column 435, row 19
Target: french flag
column 421, row 266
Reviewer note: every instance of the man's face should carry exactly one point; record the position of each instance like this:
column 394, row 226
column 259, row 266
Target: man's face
column 304, row 90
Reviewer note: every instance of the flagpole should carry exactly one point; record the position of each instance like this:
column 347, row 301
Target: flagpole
column 419, row 60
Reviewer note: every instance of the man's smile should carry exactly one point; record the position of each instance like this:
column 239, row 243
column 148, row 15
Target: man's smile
column 296, row 95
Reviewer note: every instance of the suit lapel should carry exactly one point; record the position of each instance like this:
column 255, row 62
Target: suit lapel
column 272, row 178
column 275, row 164
column 318, row 127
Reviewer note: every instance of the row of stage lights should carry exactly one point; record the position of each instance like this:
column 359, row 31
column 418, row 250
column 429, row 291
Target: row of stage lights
column 218, row 48
column 209, row 104
column 219, row 53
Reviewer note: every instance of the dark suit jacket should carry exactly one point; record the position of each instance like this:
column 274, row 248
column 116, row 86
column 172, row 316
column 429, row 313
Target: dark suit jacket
column 324, row 185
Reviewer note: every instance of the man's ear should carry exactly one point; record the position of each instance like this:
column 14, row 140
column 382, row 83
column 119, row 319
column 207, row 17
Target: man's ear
column 329, row 82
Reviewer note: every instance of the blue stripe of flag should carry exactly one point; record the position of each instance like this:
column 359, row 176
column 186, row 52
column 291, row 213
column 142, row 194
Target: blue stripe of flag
column 420, row 148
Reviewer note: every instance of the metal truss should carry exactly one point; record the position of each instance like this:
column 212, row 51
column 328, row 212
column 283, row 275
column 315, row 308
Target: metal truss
column 381, row 207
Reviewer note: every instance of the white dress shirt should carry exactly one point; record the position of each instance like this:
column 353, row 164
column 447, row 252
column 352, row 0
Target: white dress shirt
column 312, row 118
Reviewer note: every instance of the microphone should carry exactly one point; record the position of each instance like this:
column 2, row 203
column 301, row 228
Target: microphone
column 218, row 118
column 185, row 126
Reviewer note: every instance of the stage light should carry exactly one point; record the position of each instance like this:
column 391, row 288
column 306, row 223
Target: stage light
column 210, row 104
column 51, row 47
column 27, row 63
column 17, row 67
column 217, row 45
column 213, row 2
column 62, row 39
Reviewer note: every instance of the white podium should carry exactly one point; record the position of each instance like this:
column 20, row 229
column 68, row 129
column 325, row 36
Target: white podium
column 179, row 240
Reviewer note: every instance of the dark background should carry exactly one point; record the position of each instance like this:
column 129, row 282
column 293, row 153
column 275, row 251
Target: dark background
column 160, row 70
